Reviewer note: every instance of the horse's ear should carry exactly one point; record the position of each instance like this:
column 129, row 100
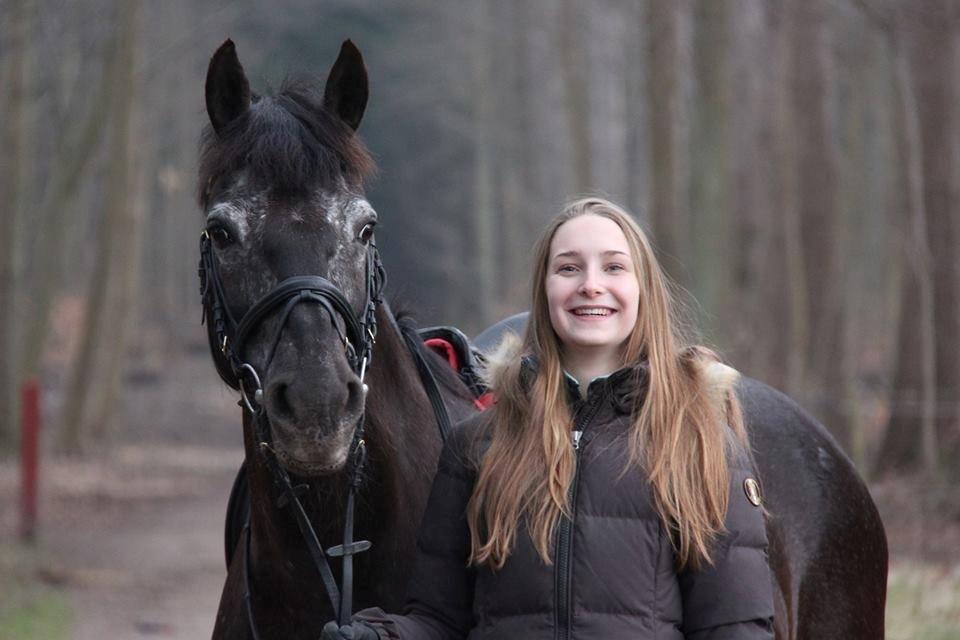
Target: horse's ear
column 346, row 92
column 227, row 90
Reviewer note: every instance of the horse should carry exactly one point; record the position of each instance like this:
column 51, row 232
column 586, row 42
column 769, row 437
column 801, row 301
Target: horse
column 340, row 434
column 827, row 545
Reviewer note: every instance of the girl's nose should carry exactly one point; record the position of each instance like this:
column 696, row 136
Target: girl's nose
column 591, row 285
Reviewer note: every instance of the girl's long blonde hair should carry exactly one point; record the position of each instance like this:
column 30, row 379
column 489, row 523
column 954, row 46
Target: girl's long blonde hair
column 678, row 435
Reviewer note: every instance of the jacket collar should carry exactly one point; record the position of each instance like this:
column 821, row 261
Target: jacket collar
column 625, row 385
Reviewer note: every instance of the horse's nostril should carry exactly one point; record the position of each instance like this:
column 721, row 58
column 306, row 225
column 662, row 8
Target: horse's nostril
column 354, row 396
column 279, row 401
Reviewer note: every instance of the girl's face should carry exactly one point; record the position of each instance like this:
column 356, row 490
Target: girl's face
column 592, row 289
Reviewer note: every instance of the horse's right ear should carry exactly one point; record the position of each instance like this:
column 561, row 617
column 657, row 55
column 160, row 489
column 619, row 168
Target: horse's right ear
column 227, row 90
column 347, row 86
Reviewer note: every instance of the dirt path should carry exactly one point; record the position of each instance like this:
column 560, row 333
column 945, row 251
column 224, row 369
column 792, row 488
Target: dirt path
column 134, row 535
column 139, row 548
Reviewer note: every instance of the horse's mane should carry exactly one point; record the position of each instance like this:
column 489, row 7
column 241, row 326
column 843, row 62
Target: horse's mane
column 288, row 142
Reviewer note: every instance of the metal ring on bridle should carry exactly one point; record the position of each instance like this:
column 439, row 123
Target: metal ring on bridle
column 243, row 392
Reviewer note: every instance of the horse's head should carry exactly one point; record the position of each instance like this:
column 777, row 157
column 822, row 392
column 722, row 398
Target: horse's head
column 280, row 184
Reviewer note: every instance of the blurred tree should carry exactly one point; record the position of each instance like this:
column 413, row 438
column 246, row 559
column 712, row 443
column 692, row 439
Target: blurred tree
column 75, row 151
column 936, row 68
column 927, row 135
column 760, row 160
column 711, row 168
column 100, row 358
column 669, row 159
column 12, row 180
column 787, row 289
column 635, row 107
column 814, row 101
column 572, row 52
column 480, row 226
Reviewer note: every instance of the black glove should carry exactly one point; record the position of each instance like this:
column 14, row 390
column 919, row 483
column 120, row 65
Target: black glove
column 352, row 631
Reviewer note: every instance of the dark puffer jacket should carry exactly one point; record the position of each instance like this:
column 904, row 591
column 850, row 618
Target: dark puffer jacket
column 613, row 573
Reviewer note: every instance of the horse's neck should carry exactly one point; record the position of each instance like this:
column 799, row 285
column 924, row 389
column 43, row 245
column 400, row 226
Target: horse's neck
column 401, row 431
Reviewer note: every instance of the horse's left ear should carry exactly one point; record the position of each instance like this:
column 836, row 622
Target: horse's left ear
column 346, row 92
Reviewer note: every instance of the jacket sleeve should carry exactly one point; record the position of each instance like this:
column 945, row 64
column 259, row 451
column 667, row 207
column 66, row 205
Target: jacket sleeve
column 440, row 593
column 732, row 599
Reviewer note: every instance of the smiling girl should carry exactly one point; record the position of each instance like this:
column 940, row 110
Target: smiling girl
column 603, row 496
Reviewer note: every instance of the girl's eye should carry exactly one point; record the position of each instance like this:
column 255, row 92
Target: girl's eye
column 615, row 267
column 366, row 233
column 566, row 268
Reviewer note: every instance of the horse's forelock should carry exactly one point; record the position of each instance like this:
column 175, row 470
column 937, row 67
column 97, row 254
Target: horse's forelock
column 287, row 143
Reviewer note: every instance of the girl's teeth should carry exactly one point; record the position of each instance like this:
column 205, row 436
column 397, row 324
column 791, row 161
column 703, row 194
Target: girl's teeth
column 591, row 312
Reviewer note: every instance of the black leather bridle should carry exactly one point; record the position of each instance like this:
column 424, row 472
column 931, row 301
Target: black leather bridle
column 228, row 339
column 357, row 337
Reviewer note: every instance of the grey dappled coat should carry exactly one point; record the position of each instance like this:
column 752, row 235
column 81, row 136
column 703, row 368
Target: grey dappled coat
column 617, row 578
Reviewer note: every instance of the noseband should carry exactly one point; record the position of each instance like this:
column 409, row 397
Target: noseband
column 357, row 336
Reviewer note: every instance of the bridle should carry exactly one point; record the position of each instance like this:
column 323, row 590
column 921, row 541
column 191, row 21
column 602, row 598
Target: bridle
column 228, row 339
column 357, row 337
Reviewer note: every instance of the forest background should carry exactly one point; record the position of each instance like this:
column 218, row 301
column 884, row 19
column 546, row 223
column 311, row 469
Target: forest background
column 795, row 162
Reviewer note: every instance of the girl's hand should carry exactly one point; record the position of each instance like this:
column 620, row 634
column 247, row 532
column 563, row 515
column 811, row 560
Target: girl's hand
column 352, row 631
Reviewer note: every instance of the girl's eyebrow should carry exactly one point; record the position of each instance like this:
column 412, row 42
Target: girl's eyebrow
column 576, row 254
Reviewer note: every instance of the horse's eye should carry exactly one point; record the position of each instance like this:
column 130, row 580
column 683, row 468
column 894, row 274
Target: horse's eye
column 367, row 232
column 220, row 236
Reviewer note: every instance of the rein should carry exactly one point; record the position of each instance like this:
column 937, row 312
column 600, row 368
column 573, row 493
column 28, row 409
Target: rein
column 358, row 338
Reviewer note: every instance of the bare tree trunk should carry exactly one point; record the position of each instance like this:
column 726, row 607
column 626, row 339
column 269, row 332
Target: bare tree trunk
column 788, row 297
column 573, row 67
column 12, row 176
column 754, row 194
column 635, row 109
column 813, row 97
column 711, row 168
column 914, row 380
column 482, row 231
column 72, row 160
column 859, row 175
column 106, row 316
column 516, row 126
column 128, row 239
column 935, row 74
column 667, row 64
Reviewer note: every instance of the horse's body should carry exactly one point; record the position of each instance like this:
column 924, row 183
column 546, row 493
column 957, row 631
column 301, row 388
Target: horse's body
column 828, row 549
column 280, row 183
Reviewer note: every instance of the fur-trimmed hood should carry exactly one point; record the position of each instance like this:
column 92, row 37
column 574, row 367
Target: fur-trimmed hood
column 720, row 379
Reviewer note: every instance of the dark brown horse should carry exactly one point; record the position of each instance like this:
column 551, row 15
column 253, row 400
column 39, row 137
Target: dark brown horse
column 828, row 549
column 292, row 293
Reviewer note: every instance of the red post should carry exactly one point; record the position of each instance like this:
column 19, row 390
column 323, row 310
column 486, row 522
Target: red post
column 29, row 457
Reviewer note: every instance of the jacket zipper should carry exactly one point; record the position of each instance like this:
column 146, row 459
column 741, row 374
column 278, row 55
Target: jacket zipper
column 565, row 530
